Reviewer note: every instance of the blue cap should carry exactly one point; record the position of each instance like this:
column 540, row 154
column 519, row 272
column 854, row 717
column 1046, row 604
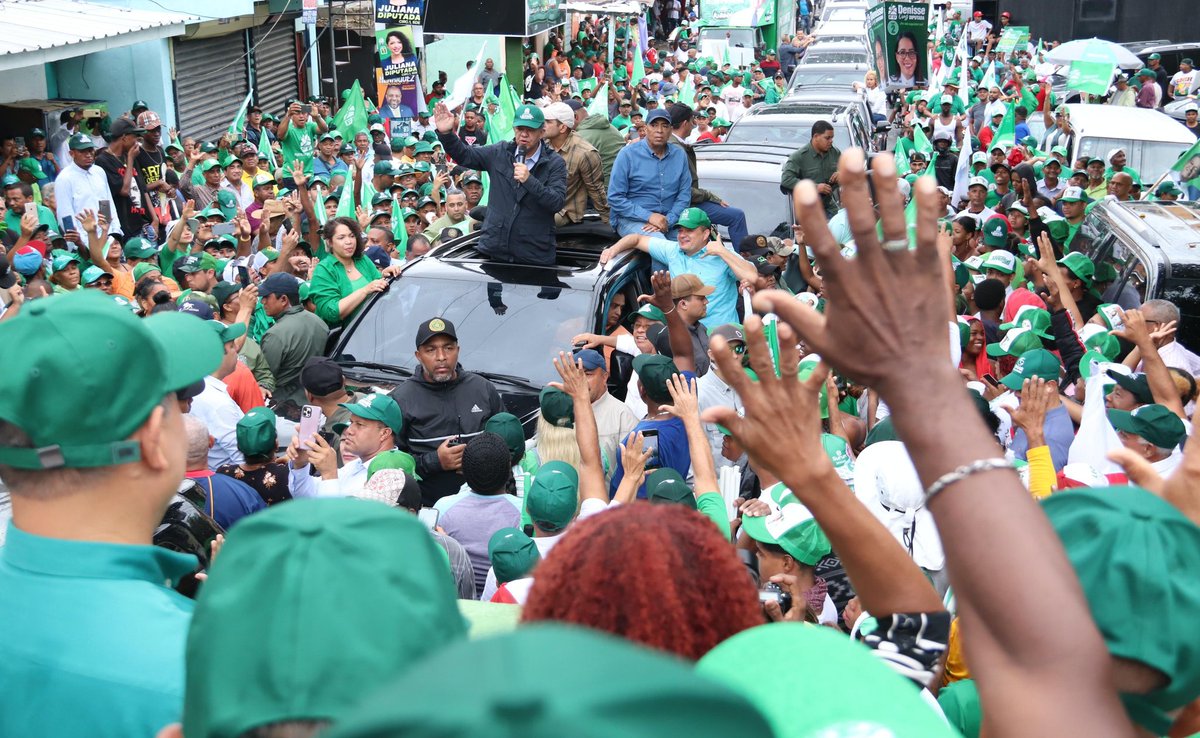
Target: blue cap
column 591, row 358
column 658, row 114
column 199, row 308
column 280, row 284
column 378, row 257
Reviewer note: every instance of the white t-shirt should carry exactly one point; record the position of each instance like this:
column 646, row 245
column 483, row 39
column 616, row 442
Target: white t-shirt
column 978, row 30
column 732, row 96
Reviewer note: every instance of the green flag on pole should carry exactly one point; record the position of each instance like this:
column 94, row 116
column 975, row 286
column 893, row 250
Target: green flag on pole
column 352, row 117
column 639, row 66
column 921, row 141
column 599, row 104
column 1188, row 165
column 239, row 120
column 1091, row 77
column 264, row 149
column 346, row 203
column 399, row 232
column 687, row 90
column 989, row 78
column 1006, row 134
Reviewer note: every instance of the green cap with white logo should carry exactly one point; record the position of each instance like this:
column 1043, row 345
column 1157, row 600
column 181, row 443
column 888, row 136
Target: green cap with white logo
column 528, row 116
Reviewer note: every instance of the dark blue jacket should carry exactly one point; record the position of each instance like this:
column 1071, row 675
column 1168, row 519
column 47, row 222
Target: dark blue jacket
column 519, row 226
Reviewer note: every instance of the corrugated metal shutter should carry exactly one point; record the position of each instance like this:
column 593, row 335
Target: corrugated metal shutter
column 210, row 84
column 274, row 65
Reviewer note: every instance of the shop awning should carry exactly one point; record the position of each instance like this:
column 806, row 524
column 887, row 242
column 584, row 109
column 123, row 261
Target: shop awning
column 40, row 31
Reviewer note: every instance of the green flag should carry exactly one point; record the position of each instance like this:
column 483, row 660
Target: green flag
column 1090, row 77
column 639, row 66
column 725, row 57
column 367, row 192
column 771, row 334
column 352, row 117
column 318, row 197
column 399, row 232
column 921, row 141
column 903, row 165
column 588, row 83
column 239, row 120
column 346, row 203
column 1006, row 134
column 505, row 110
column 599, row 103
column 1188, row 165
column 687, row 89
column 264, row 149
column 487, row 188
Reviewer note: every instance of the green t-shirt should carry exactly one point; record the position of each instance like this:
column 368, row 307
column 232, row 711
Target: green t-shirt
column 299, row 143
column 838, row 452
column 45, row 217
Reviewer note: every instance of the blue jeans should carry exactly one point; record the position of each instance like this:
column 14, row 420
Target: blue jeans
column 734, row 219
column 625, row 226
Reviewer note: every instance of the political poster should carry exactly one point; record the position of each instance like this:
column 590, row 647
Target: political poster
column 397, row 53
column 399, row 101
column 398, row 12
column 1012, row 38
column 898, row 33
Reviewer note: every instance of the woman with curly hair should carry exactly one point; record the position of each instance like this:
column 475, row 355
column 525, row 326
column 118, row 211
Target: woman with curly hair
column 659, row 575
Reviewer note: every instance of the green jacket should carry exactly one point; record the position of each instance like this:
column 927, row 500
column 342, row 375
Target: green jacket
column 330, row 283
column 296, row 337
column 596, row 130
column 806, row 163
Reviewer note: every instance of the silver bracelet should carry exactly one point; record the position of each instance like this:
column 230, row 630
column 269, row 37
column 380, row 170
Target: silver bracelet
column 964, row 471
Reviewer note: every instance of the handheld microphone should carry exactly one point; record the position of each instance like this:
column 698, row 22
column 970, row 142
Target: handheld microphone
column 520, row 155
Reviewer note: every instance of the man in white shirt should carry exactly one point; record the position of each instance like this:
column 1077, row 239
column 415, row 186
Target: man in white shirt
column 215, row 408
column 83, row 186
column 375, row 421
column 712, row 390
column 614, row 419
column 977, row 32
column 1158, row 314
column 732, row 95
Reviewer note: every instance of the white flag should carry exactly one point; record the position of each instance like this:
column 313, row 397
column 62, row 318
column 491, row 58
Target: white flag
column 461, row 90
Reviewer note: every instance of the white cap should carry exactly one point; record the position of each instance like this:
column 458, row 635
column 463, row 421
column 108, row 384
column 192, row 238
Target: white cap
column 560, row 112
column 1001, row 261
column 1190, row 107
column 977, row 181
column 1113, row 152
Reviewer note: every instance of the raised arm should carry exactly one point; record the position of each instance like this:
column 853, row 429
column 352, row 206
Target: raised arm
column 1049, row 668
column 96, row 228
column 680, row 337
column 743, row 271
column 1158, row 375
column 637, row 241
column 591, row 470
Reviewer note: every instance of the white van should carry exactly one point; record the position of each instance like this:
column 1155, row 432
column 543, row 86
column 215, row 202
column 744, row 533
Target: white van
column 1152, row 141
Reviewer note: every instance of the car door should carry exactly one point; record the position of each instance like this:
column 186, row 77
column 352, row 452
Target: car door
column 632, row 280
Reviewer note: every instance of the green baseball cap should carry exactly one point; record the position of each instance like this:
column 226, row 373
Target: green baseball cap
column 1112, row 536
column 353, row 588
column 1001, row 261
column 1103, row 342
column 694, row 218
column 860, row 694
column 1079, row 265
column 226, row 333
column 1035, row 319
column 84, row 341
column 91, row 274
column 995, row 232
column 528, row 116
column 193, row 263
column 649, row 312
column 378, row 407
column 608, row 686
column 654, row 371
column 790, row 526
column 208, row 164
column 80, row 142
column 423, row 147
column 384, row 168
column 1155, row 423
column 137, row 248
column 394, row 459
column 61, row 259
column 143, row 269
column 381, row 198
column 31, row 165
column 227, row 203
column 256, row 435
column 667, row 485
column 508, row 427
column 557, row 407
column 422, row 166
column 513, row 554
column 1036, row 363
column 553, row 496
column 263, row 179
column 398, row 143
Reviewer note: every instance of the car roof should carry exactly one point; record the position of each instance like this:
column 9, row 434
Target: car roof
column 750, row 153
column 1114, row 121
column 835, row 94
column 798, row 108
column 577, row 259
column 1176, row 225
column 1169, row 47
column 839, row 27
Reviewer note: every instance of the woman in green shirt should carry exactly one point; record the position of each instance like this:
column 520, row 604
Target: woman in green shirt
column 342, row 281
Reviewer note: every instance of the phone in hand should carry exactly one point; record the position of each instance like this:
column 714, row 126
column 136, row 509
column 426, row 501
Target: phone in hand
column 456, row 441
column 68, row 223
column 31, row 207
column 990, row 380
column 650, row 439
column 19, row 142
column 243, row 276
column 223, row 229
column 311, row 419
column 106, row 209
column 428, row 516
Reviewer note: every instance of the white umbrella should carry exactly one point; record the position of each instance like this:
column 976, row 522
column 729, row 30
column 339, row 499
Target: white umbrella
column 1093, row 50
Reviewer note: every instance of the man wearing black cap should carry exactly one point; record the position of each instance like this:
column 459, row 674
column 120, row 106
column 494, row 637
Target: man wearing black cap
column 325, row 386
column 443, row 406
column 297, row 335
column 119, row 162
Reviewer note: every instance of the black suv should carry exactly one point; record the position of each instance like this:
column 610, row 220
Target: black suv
column 1155, row 249
column 511, row 319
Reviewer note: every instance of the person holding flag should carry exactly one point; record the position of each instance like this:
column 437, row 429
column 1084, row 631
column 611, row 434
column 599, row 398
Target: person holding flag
column 527, row 186
column 297, row 134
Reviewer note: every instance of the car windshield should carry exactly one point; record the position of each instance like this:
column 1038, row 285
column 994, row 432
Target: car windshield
column 1148, row 158
column 835, row 57
column 509, row 328
column 784, row 132
column 737, row 36
column 847, row 14
column 840, row 77
column 764, row 205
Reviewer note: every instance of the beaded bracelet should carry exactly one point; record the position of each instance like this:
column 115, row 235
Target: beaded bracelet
column 962, row 472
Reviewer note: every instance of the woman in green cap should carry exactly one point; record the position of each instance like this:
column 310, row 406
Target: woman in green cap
column 257, row 439
column 343, row 280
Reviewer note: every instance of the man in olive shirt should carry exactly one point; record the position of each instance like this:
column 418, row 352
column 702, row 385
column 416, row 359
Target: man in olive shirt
column 296, row 337
column 817, row 160
column 94, row 634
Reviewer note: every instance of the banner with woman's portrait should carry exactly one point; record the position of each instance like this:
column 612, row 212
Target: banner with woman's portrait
column 898, row 34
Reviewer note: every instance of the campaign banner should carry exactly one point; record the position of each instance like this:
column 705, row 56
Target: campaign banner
column 397, row 53
column 741, row 13
column 399, row 101
column 398, row 12
column 1011, row 38
column 898, row 33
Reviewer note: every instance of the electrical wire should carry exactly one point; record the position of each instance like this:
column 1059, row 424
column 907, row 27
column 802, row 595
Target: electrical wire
column 253, row 48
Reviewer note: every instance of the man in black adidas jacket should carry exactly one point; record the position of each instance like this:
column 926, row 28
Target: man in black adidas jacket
column 443, row 407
